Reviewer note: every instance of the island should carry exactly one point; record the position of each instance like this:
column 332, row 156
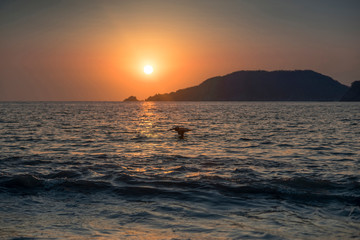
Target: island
column 131, row 99
column 353, row 94
column 297, row 85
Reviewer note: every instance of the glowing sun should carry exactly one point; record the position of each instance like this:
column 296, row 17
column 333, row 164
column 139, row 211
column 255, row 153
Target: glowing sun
column 148, row 69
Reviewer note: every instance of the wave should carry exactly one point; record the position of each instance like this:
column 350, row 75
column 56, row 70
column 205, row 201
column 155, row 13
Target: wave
column 23, row 181
column 294, row 189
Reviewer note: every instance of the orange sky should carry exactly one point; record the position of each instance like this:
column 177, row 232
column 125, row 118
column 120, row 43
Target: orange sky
column 96, row 50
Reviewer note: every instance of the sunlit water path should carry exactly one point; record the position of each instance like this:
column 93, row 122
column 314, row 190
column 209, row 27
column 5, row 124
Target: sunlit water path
column 260, row 170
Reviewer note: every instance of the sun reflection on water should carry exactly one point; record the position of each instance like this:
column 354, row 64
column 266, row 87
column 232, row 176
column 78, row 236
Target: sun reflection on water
column 147, row 120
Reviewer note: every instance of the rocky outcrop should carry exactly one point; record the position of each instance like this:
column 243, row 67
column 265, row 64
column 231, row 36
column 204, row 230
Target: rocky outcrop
column 131, row 99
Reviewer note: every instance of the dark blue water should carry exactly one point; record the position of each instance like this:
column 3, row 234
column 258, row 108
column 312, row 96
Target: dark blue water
column 260, row 170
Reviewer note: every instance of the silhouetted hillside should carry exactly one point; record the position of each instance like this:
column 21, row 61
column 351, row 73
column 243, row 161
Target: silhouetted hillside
column 261, row 86
column 353, row 94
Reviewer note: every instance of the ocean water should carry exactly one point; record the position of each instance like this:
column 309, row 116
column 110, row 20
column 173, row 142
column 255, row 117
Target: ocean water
column 111, row 170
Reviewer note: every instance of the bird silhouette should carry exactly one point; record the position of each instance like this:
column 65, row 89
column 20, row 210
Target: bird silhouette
column 180, row 131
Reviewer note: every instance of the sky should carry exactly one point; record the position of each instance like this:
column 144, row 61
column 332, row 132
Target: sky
column 55, row 50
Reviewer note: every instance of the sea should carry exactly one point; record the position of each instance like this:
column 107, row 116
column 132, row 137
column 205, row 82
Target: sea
column 112, row 170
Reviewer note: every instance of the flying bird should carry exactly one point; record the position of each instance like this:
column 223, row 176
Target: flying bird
column 180, row 131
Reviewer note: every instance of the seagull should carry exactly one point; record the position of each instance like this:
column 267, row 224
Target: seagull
column 180, row 131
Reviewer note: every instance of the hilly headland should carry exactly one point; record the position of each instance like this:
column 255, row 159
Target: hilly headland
column 298, row 85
